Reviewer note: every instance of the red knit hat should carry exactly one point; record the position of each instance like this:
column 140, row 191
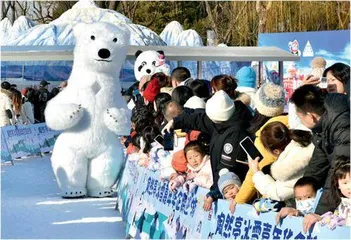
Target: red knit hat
column 152, row 89
column 24, row 91
column 179, row 161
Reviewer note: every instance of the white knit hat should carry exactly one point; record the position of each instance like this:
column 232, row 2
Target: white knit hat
column 195, row 102
column 269, row 100
column 220, row 107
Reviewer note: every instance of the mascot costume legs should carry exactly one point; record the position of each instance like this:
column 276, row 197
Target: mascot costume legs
column 91, row 113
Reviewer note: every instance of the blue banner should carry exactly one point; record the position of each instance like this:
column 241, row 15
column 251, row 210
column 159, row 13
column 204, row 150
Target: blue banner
column 46, row 137
column 24, row 140
column 21, row 140
column 5, row 154
column 152, row 211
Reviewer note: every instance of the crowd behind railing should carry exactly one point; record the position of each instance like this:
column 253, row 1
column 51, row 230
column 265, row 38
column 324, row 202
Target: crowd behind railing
column 300, row 160
column 305, row 165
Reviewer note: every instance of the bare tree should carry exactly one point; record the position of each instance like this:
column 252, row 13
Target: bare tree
column 13, row 11
column 262, row 11
column 43, row 11
column 129, row 8
column 23, row 8
column 113, row 5
column 211, row 17
column 5, row 7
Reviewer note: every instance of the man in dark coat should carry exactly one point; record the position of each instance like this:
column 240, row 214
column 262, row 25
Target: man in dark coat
column 226, row 122
column 41, row 98
column 328, row 116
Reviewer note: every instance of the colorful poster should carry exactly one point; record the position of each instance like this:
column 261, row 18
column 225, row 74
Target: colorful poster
column 21, row 140
column 333, row 46
column 46, row 137
column 5, row 154
column 154, row 212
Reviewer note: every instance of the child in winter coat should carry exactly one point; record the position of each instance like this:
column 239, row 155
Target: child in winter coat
column 341, row 192
column 228, row 184
column 177, row 173
column 305, row 191
column 199, row 172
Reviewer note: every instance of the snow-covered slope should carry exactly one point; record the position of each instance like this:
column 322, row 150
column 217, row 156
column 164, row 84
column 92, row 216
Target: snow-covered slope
column 171, row 33
column 189, row 38
column 59, row 31
column 9, row 31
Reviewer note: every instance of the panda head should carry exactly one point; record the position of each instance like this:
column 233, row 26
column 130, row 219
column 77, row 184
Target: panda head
column 147, row 62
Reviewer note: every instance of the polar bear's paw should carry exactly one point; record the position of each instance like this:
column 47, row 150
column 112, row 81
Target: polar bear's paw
column 100, row 192
column 118, row 120
column 73, row 193
column 63, row 116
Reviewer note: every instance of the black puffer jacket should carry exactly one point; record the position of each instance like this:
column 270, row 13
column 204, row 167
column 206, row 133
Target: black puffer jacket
column 331, row 137
column 225, row 138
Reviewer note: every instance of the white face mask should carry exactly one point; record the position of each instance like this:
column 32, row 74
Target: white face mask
column 305, row 206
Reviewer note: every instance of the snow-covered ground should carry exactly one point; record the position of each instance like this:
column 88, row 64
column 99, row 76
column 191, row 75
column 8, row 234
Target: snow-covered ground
column 31, row 207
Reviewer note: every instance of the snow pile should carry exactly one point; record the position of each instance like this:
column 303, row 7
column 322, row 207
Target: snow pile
column 171, row 33
column 174, row 35
column 59, row 31
column 9, row 31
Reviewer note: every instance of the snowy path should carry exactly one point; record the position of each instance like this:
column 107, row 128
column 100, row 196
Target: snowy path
column 32, row 208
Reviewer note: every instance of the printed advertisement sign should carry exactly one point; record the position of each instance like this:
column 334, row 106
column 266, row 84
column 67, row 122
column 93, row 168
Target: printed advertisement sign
column 5, row 154
column 333, row 46
column 152, row 211
column 21, row 140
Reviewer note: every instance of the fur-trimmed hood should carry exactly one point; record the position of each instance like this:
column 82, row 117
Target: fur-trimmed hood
column 292, row 162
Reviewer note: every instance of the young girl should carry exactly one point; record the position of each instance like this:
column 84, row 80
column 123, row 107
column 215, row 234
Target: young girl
column 199, row 172
column 340, row 192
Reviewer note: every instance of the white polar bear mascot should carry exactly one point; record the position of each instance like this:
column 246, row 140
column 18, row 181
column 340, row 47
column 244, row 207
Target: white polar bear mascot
column 149, row 63
column 91, row 112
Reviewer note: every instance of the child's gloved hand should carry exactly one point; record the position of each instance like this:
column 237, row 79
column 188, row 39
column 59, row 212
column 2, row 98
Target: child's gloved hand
column 266, row 205
column 332, row 220
column 172, row 185
column 326, row 218
column 189, row 186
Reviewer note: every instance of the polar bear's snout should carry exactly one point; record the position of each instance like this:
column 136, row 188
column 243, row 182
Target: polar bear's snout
column 104, row 53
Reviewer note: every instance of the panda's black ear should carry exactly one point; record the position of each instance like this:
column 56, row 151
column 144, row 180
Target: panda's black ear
column 161, row 52
column 138, row 53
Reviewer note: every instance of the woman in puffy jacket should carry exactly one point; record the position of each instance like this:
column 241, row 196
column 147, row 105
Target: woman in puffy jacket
column 294, row 150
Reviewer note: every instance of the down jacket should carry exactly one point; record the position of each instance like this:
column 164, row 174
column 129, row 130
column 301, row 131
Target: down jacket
column 331, row 136
column 225, row 138
column 203, row 173
column 289, row 167
column 248, row 190
column 5, row 104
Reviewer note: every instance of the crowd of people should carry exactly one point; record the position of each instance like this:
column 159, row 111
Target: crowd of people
column 26, row 106
column 304, row 171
